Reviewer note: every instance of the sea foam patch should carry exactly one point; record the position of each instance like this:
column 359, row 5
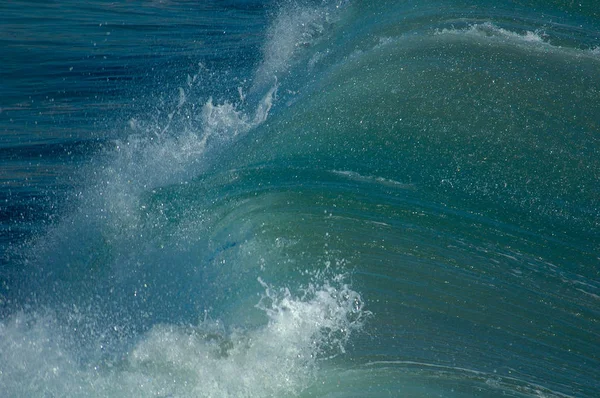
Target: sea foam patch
column 538, row 40
column 208, row 359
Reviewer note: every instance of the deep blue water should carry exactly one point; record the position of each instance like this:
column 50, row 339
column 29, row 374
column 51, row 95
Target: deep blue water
column 308, row 199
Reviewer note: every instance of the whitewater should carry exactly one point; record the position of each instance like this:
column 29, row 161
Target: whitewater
column 299, row 199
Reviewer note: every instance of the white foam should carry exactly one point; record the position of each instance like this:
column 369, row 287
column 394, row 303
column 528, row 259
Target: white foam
column 154, row 157
column 491, row 31
column 174, row 146
column 295, row 28
column 352, row 175
column 205, row 360
column 537, row 41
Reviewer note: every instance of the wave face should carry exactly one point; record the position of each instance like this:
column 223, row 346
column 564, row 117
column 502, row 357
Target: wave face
column 314, row 198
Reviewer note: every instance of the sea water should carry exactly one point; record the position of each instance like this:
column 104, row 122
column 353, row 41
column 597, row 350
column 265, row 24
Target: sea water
column 300, row 198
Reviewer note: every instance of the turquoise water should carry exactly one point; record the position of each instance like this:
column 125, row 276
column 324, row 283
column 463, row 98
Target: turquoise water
column 300, row 199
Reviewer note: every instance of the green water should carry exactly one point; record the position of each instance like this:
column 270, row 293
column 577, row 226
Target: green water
column 389, row 198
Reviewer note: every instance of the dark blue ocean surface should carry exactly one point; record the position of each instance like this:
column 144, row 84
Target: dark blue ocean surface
column 300, row 198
